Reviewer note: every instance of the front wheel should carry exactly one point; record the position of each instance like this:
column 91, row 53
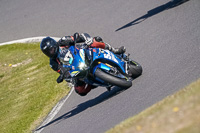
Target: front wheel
column 135, row 69
column 122, row 83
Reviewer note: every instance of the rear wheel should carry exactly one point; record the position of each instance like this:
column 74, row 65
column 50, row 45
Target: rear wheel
column 135, row 69
column 122, row 83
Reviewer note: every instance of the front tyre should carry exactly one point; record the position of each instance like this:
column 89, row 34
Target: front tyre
column 135, row 69
column 122, row 83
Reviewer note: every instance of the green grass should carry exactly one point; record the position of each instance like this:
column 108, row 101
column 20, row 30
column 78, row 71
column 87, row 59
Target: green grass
column 28, row 88
column 178, row 113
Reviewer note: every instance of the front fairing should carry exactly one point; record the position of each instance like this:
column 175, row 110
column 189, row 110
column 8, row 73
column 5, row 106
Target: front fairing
column 78, row 58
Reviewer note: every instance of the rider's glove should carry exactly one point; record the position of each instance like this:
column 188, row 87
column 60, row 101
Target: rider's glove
column 60, row 79
column 64, row 74
column 62, row 69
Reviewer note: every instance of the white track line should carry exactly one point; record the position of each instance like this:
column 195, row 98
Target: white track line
column 59, row 105
column 28, row 40
column 53, row 112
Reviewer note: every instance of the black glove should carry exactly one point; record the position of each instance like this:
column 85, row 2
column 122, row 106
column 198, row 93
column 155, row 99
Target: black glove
column 64, row 74
column 60, row 79
column 62, row 69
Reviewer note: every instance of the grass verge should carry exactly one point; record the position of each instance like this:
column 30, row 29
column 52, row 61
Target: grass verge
column 28, row 88
column 178, row 113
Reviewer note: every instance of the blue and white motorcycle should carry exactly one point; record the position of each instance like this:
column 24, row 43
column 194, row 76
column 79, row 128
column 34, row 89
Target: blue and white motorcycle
column 100, row 67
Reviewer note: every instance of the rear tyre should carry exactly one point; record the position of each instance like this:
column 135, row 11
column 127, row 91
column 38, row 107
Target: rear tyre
column 122, row 83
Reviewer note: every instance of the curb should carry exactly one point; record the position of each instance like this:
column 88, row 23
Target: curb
column 28, row 40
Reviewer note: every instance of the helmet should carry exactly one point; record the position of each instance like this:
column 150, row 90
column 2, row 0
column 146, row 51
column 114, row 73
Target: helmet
column 49, row 47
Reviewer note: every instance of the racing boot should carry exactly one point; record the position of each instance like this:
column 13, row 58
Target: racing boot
column 120, row 50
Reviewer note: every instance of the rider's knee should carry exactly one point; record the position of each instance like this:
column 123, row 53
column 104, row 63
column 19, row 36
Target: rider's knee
column 82, row 90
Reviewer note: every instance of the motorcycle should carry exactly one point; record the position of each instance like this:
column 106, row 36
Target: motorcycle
column 100, row 67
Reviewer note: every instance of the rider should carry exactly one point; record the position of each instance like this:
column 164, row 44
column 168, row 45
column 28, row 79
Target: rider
column 56, row 51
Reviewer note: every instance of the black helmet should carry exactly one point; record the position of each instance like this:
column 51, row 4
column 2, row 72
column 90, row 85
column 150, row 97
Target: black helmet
column 49, row 47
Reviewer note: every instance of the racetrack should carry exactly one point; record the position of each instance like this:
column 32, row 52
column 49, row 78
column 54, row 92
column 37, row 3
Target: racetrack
column 163, row 37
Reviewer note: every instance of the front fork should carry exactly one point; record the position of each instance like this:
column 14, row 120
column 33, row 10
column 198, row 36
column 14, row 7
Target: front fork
column 127, row 62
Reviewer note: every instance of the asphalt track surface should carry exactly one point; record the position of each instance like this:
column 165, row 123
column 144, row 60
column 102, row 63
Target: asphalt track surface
column 163, row 37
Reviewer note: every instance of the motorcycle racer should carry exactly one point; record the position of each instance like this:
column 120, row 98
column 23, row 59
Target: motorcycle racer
column 60, row 55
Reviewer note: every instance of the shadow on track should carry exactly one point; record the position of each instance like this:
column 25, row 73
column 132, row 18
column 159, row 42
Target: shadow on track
column 169, row 5
column 83, row 106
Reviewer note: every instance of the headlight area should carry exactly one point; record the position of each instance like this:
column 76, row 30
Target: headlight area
column 82, row 66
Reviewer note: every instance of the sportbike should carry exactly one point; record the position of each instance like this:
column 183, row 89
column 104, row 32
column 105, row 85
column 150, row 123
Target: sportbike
column 100, row 67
